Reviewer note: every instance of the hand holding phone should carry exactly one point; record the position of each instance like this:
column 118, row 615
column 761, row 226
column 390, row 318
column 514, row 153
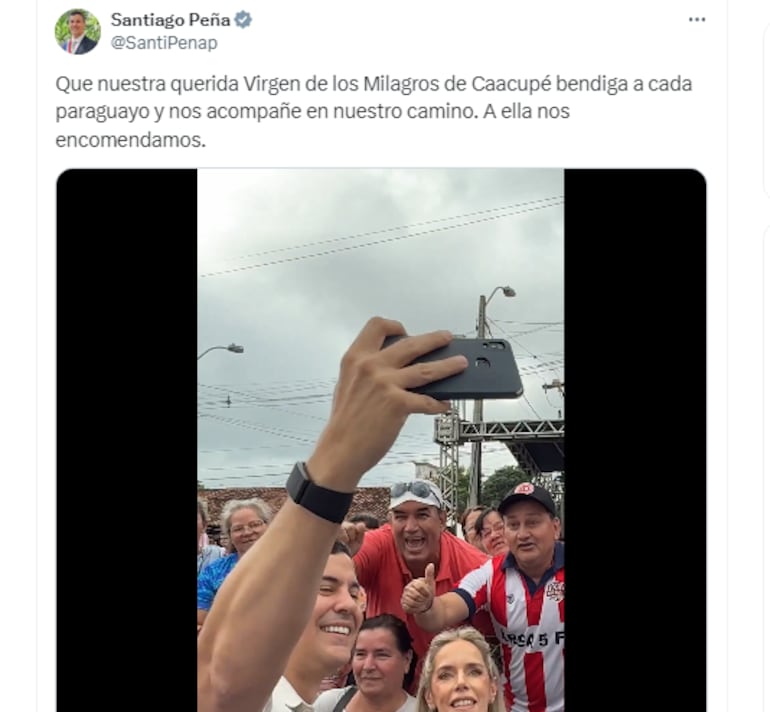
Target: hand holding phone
column 492, row 372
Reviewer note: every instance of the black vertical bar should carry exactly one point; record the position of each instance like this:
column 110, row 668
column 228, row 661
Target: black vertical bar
column 126, row 431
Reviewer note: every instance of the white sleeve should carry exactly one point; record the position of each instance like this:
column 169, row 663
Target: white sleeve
column 327, row 699
column 474, row 588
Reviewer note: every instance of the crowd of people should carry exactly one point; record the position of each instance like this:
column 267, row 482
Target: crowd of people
column 400, row 614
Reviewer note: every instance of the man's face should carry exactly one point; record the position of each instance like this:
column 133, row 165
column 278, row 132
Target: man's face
column 531, row 534
column 331, row 631
column 77, row 25
column 200, row 527
column 417, row 530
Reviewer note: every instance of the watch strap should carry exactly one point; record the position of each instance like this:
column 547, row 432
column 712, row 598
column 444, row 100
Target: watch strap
column 325, row 503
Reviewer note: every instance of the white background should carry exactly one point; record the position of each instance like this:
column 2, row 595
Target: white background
column 716, row 129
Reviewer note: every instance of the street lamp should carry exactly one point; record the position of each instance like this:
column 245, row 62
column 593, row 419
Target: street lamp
column 234, row 348
column 474, row 495
column 507, row 291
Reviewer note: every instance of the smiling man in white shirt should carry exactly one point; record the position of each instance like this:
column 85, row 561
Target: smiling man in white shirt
column 265, row 615
column 327, row 641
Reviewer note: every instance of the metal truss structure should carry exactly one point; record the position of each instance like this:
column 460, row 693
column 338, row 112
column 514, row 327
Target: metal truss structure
column 446, row 430
column 537, row 446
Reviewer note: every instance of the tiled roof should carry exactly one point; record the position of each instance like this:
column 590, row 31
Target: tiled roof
column 374, row 500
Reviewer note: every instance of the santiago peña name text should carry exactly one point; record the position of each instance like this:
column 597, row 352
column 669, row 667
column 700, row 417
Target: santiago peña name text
column 169, row 22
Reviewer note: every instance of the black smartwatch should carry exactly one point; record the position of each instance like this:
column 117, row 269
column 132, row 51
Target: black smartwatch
column 325, row 503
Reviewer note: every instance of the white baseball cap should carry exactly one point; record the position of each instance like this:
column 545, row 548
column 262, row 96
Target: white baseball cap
column 422, row 491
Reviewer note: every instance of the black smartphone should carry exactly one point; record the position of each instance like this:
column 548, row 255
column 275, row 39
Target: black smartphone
column 492, row 372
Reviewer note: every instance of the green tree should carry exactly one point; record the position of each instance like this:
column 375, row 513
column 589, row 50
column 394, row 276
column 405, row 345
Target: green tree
column 463, row 485
column 497, row 485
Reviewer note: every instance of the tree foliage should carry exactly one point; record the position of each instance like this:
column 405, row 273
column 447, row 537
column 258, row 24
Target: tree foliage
column 498, row 484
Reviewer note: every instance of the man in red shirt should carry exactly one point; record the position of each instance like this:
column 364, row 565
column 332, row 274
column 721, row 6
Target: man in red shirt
column 399, row 551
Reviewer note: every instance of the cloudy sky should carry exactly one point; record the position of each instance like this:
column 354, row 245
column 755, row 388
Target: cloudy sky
column 291, row 264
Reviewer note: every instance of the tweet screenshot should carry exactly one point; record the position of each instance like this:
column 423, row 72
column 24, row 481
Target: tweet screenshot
column 338, row 259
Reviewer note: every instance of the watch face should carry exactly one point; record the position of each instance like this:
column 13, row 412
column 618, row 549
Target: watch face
column 297, row 482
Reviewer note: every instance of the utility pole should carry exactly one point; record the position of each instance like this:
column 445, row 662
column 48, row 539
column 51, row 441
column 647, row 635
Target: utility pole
column 474, row 491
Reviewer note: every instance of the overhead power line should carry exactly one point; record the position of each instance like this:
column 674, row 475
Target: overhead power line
column 255, row 426
column 383, row 241
column 395, row 229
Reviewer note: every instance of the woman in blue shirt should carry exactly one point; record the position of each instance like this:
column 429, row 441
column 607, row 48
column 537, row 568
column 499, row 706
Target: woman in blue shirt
column 244, row 521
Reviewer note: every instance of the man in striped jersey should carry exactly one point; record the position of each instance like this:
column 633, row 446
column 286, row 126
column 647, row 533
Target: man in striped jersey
column 523, row 590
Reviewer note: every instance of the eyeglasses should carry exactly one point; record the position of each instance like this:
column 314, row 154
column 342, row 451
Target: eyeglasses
column 487, row 531
column 253, row 526
column 418, row 487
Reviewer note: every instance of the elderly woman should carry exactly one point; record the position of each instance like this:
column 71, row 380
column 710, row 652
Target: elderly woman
column 459, row 673
column 244, row 521
column 490, row 529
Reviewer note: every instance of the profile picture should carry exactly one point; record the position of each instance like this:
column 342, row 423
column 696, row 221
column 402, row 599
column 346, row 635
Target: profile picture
column 78, row 31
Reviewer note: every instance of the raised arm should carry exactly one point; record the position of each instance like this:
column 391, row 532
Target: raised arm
column 265, row 602
column 430, row 612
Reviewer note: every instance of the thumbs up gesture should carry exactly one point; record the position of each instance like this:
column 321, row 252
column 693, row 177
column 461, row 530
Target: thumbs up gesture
column 419, row 593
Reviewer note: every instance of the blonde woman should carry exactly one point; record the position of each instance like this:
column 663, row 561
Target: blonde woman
column 459, row 673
